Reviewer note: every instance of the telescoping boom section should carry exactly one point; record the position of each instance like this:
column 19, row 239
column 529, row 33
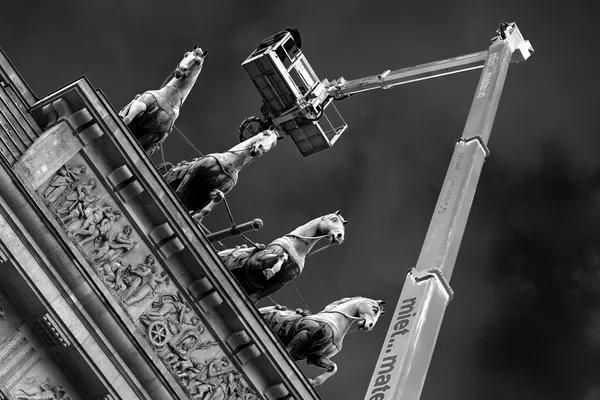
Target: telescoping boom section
column 408, row 347
column 341, row 88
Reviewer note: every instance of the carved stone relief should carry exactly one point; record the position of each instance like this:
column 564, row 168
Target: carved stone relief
column 34, row 390
column 190, row 352
column 125, row 264
column 94, row 222
column 26, row 372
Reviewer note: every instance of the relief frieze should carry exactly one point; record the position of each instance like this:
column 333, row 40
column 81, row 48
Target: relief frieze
column 123, row 261
column 33, row 390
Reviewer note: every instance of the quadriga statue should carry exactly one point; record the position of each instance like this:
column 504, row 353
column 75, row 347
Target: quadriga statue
column 316, row 338
column 262, row 272
column 151, row 116
column 202, row 183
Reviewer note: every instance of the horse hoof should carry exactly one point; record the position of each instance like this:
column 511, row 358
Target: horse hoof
column 268, row 273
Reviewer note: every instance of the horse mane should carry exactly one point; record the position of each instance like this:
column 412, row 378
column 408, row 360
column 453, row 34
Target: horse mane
column 171, row 76
column 341, row 301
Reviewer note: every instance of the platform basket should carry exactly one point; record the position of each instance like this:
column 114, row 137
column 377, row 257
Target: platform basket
column 311, row 137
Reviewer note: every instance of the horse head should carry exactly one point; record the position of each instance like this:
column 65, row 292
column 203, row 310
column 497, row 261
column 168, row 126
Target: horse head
column 369, row 311
column 263, row 142
column 333, row 225
column 366, row 311
column 191, row 64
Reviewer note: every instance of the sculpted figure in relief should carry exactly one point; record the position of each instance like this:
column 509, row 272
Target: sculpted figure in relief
column 43, row 391
column 169, row 308
column 98, row 222
column 144, row 281
column 62, row 181
column 107, row 250
column 74, row 203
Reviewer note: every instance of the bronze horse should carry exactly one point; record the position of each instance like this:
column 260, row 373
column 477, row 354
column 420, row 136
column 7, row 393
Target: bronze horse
column 316, row 338
column 202, row 183
column 262, row 272
column 151, row 116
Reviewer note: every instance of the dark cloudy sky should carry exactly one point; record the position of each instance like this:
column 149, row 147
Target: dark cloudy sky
column 525, row 322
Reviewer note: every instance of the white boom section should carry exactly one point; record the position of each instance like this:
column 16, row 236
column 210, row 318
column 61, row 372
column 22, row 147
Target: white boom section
column 341, row 87
column 406, row 353
column 388, row 79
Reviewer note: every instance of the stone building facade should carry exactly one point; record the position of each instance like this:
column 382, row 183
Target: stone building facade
column 108, row 290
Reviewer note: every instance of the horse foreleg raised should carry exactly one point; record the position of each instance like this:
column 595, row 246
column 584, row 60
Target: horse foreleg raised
column 325, row 363
column 270, row 272
column 216, row 197
column 129, row 113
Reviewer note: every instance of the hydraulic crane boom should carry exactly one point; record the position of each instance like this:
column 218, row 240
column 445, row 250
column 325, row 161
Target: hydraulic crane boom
column 405, row 356
column 340, row 88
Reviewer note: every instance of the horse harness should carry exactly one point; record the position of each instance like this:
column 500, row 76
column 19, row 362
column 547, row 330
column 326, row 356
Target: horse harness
column 351, row 318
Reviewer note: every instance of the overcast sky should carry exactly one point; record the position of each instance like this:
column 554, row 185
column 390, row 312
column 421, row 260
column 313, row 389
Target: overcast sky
column 525, row 321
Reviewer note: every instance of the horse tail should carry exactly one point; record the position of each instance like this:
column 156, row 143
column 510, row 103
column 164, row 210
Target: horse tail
column 164, row 168
column 125, row 109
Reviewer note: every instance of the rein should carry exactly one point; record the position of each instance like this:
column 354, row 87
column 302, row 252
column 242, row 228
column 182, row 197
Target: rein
column 351, row 318
column 307, row 237
column 312, row 238
column 241, row 151
column 178, row 90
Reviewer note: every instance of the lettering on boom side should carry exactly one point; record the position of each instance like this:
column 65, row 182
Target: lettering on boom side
column 389, row 362
column 459, row 161
column 485, row 79
column 383, row 377
column 446, row 198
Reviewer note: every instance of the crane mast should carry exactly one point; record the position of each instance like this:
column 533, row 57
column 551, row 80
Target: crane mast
column 409, row 343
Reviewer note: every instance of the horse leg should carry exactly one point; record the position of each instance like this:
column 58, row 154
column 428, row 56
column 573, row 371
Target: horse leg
column 325, row 363
column 137, row 107
column 270, row 272
column 216, row 197
column 298, row 341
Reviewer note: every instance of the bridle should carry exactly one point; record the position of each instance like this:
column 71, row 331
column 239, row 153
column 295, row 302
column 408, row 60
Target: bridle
column 244, row 149
column 172, row 75
column 351, row 318
column 186, row 74
column 313, row 237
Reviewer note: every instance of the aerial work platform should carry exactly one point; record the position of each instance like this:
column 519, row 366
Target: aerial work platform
column 292, row 96
column 299, row 104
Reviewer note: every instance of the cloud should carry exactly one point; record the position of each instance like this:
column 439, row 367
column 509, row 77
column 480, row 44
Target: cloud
column 544, row 264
